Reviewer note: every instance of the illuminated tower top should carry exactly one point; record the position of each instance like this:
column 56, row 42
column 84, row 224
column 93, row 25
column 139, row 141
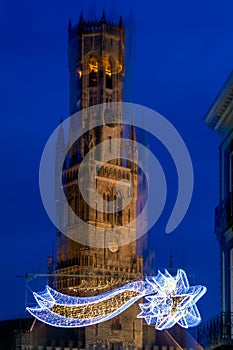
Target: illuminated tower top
column 96, row 62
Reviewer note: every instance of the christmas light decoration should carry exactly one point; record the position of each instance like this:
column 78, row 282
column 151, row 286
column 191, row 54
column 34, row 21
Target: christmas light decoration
column 170, row 300
column 173, row 303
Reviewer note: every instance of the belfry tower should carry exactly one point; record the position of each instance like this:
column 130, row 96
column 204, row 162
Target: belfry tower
column 96, row 66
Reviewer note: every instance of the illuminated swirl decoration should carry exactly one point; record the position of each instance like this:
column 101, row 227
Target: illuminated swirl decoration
column 171, row 300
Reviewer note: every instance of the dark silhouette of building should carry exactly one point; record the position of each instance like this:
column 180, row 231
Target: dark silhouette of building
column 218, row 332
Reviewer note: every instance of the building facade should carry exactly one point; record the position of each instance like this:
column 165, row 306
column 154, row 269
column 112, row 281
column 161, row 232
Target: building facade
column 96, row 66
column 218, row 332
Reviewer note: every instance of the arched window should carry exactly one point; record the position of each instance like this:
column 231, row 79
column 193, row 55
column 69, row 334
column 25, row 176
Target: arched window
column 83, row 212
column 93, row 67
column 120, row 212
column 76, row 203
column 104, row 208
column 116, row 325
column 108, row 75
column 106, row 214
column 118, row 209
column 98, row 345
column 115, row 209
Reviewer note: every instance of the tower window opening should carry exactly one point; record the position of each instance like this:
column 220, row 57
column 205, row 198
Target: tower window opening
column 76, row 204
column 108, row 75
column 115, row 209
column 120, row 212
column 110, row 143
column 92, row 98
column 93, row 67
column 104, row 213
column 108, row 98
column 108, row 214
column 83, row 212
column 91, row 260
column 85, row 260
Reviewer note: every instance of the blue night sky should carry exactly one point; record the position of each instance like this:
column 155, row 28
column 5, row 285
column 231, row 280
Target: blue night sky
column 181, row 56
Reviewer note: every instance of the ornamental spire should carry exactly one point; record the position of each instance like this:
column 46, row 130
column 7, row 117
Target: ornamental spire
column 103, row 18
column 120, row 24
column 81, row 18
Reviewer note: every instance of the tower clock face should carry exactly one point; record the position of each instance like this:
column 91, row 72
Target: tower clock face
column 113, row 246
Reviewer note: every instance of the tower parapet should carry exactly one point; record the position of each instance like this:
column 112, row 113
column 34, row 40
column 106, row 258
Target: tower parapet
column 92, row 27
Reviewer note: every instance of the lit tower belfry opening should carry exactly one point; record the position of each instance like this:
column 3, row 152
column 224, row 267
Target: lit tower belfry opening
column 97, row 65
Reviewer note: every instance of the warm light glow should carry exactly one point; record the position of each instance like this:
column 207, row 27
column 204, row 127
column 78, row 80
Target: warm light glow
column 120, row 67
column 171, row 300
column 93, row 65
column 80, row 73
column 108, row 69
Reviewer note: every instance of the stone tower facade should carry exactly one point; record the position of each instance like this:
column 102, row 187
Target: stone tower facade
column 96, row 66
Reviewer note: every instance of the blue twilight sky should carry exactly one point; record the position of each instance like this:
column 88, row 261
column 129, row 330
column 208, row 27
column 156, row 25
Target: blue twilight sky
column 181, row 56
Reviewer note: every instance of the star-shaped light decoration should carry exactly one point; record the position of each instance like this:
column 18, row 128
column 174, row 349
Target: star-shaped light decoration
column 174, row 301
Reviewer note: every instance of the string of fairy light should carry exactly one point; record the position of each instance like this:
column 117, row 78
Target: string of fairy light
column 170, row 300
